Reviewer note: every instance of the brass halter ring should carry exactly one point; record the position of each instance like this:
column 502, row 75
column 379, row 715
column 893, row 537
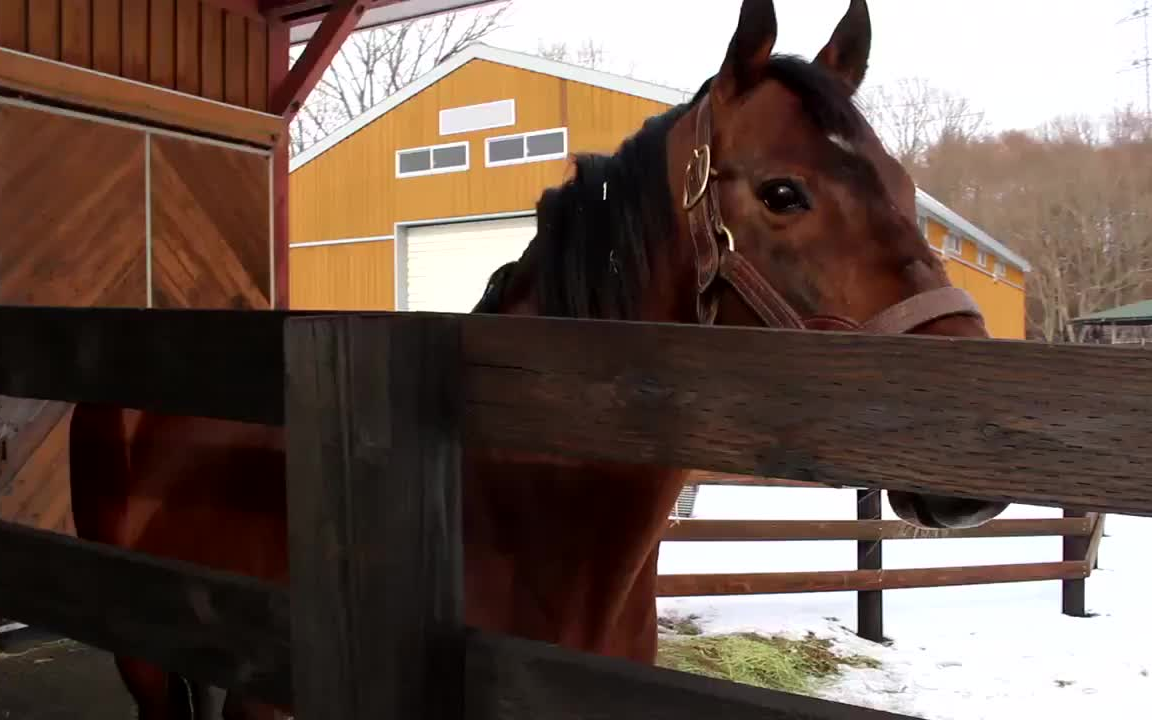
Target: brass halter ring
column 699, row 169
column 731, row 240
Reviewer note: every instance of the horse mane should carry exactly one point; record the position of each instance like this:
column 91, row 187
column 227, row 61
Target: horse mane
column 596, row 231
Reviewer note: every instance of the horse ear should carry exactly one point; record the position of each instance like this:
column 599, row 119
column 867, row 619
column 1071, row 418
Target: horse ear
column 846, row 53
column 749, row 49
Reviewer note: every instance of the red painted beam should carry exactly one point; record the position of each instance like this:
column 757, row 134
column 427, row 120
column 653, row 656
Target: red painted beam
column 317, row 56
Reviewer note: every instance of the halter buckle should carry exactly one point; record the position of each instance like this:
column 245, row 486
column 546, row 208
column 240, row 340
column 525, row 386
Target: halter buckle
column 696, row 176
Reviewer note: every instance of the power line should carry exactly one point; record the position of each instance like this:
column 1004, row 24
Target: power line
column 1144, row 62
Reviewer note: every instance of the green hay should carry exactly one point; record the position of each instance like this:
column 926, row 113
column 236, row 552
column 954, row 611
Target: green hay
column 778, row 663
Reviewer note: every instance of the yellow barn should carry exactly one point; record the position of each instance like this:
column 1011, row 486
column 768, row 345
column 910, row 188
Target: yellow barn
column 414, row 203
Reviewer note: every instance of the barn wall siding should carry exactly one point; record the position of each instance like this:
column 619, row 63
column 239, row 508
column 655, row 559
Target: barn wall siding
column 352, row 192
column 76, row 234
column 192, row 46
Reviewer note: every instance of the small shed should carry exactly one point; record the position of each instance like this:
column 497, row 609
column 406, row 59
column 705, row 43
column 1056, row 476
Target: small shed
column 1129, row 324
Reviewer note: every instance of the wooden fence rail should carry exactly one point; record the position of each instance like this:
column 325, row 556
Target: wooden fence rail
column 869, row 580
column 396, row 396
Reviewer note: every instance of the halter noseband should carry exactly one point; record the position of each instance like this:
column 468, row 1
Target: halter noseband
column 717, row 256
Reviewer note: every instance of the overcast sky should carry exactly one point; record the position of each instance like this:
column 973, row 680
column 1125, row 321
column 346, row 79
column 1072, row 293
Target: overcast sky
column 1020, row 61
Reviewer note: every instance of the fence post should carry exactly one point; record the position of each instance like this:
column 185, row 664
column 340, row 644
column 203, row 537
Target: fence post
column 869, row 603
column 373, row 412
column 1072, row 600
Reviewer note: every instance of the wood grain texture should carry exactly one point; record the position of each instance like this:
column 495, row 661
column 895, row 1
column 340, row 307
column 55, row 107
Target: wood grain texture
column 135, row 37
column 1015, row 421
column 78, row 87
column 44, row 29
column 257, row 54
column 178, row 362
column 210, row 234
column 157, row 42
column 214, row 627
column 106, row 36
column 211, row 51
column 1073, row 601
column 76, row 32
column 869, row 556
column 162, row 43
column 706, row 585
column 34, row 477
column 695, row 530
column 188, row 46
column 744, row 401
column 235, row 59
column 74, row 233
column 512, row 679
column 14, row 24
column 371, row 400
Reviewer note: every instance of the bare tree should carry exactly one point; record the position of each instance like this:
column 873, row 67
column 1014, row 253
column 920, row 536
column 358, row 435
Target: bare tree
column 911, row 114
column 375, row 63
column 589, row 53
column 1073, row 196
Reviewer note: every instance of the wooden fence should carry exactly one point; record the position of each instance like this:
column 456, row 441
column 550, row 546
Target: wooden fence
column 396, row 396
column 1081, row 535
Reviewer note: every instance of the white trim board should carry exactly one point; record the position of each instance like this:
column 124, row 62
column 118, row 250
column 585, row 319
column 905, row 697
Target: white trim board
column 511, row 58
column 342, row 241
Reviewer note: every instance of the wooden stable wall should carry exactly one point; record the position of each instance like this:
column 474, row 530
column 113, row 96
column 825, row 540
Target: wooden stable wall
column 188, row 45
column 103, row 213
column 124, row 186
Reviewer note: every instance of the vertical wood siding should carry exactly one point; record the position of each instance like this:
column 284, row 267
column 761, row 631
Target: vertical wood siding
column 193, row 46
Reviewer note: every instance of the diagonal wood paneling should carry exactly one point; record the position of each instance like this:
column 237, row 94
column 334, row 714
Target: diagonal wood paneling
column 72, row 232
column 210, row 226
column 71, row 210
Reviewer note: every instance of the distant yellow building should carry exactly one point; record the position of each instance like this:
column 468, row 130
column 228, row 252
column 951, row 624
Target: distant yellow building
column 414, row 203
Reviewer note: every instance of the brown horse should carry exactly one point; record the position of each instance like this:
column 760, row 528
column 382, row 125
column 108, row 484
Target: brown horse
column 766, row 200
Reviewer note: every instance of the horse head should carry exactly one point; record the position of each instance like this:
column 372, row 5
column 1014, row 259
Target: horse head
column 795, row 216
column 768, row 200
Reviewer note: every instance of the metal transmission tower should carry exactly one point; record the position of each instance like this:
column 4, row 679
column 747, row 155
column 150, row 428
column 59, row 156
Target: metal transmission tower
column 1144, row 62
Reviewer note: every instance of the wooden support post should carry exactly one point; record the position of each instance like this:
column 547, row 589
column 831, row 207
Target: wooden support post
column 1072, row 591
column 869, row 603
column 373, row 412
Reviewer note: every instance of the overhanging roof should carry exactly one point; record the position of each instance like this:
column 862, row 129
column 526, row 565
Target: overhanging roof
column 948, row 216
column 306, row 16
column 1137, row 313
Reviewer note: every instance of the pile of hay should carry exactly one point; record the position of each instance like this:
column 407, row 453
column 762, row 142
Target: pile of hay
column 791, row 665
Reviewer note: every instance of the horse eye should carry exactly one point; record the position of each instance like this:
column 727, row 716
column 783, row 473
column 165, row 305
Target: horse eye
column 784, row 196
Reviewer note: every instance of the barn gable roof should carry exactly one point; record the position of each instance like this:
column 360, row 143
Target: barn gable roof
column 480, row 51
column 617, row 83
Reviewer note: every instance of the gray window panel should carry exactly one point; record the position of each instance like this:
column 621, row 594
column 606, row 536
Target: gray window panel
column 508, row 149
column 546, row 144
column 415, row 161
column 448, row 157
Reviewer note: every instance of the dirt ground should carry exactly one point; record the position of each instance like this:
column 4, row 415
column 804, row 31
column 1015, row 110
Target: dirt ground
column 53, row 679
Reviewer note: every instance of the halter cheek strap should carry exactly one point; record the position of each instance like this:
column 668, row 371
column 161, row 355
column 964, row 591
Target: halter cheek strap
column 718, row 257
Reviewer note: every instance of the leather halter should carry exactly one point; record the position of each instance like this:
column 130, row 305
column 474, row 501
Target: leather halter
column 717, row 256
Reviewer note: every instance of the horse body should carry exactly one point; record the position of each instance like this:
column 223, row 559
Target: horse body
column 766, row 200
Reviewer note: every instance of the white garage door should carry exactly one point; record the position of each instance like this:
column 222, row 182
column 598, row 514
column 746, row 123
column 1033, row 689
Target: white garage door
column 448, row 266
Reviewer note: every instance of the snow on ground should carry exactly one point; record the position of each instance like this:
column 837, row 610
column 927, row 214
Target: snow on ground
column 959, row 653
